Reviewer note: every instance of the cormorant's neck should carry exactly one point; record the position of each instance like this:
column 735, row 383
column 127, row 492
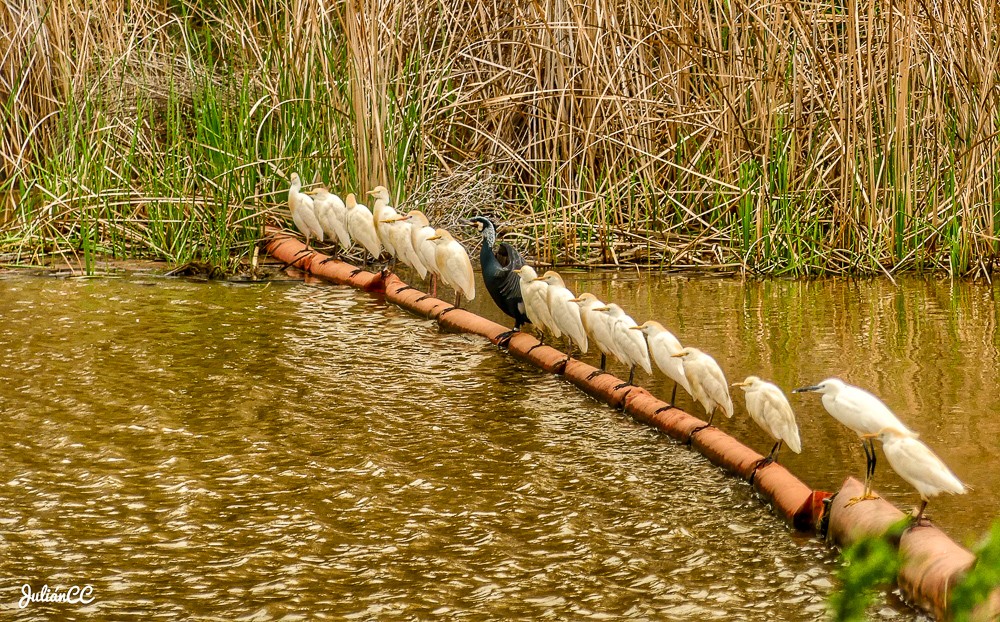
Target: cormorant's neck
column 489, row 236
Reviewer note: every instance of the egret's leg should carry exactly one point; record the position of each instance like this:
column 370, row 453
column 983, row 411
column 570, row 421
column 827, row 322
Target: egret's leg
column 434, row 285
column 673, row 394
column 458, row 299
column 631, row 377
column 869, row 447
column 769, row 458
column 700, row 428
column 920, row 513
column 604, row 361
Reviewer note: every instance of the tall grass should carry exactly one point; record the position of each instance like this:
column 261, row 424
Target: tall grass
column 782, row 138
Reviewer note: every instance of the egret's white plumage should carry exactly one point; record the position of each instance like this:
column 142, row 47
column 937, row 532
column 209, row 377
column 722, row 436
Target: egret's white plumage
column 565, row 313
column 596, row 323
column 361, row 225
column 769, row 408
column 918, row 465
column 860, row 411
column 421, row 233
column 630, row 345
column 331, row 212
column 303, row 212
column 708, row 384
column 454, row 265
column 385, row 216
column 662, row 348
column 536, row 301
column 400, row 230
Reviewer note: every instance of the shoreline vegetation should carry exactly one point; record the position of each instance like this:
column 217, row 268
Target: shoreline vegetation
column 777, row 139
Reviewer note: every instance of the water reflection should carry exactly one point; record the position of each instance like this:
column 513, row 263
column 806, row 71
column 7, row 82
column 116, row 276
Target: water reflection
column 213, row 452
column 307, row 452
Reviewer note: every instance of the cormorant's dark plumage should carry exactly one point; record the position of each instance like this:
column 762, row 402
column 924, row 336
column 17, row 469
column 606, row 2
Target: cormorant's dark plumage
column 502, row 283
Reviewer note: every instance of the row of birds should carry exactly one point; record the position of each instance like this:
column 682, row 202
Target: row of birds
column 546, row 303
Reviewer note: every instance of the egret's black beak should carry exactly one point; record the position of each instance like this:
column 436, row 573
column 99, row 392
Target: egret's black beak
column 805, row 389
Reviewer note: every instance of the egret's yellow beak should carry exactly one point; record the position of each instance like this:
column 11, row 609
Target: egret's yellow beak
column 678, row 355
column 735, row 384
column 576, row 299
column 868, row 437
column 635, row 327
column 601, row 309
column 434, row 237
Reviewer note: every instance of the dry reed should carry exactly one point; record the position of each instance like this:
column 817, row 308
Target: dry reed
column 783, row 138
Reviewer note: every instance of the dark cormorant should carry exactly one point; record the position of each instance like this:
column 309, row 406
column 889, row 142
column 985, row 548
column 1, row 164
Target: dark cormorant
column 501, row 282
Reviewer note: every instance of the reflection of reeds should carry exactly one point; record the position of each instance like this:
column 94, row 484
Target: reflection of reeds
column 783, row 137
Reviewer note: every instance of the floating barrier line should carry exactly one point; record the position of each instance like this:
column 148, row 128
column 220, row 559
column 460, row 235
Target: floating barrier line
column 931, row 562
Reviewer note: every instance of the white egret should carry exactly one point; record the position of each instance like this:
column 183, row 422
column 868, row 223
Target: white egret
column 769, row 408
column 361, row 225
column 630, row 346
column 565, row 314
column 860, row 411
column 597, row 324
column 662, row 348
column 303, row 212
column 918, row 465
column 421, row 233
column 331, row 213
column 384, row 216
column 400, row 231
column 536, row 301
column 454, row 265
column 708, row 384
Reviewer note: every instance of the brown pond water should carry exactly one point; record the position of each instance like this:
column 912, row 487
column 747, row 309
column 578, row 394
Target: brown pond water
column 212, row 451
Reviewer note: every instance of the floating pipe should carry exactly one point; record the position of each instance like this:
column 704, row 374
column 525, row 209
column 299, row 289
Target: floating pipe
column 931, row 563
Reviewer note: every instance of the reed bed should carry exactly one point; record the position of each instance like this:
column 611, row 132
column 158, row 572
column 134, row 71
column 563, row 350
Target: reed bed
column 798, row 138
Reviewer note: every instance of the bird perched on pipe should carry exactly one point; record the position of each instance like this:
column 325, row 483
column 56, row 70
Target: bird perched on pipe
column 501, row 278
column 863, row 413
column 361, row 225
column 454, row 265
column 918, row 465
column 421, row 233
column 630, row 347
column 769, row 408
column 332, row 215
column 303, row 212
column 565, row 314
column 598, row 326
column 708, row 384
column 662, row 348
column 534, row 292
column 384, row 215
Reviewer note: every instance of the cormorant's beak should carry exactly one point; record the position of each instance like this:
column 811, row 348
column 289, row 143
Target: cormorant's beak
column 466, row 222
column 805, row 389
